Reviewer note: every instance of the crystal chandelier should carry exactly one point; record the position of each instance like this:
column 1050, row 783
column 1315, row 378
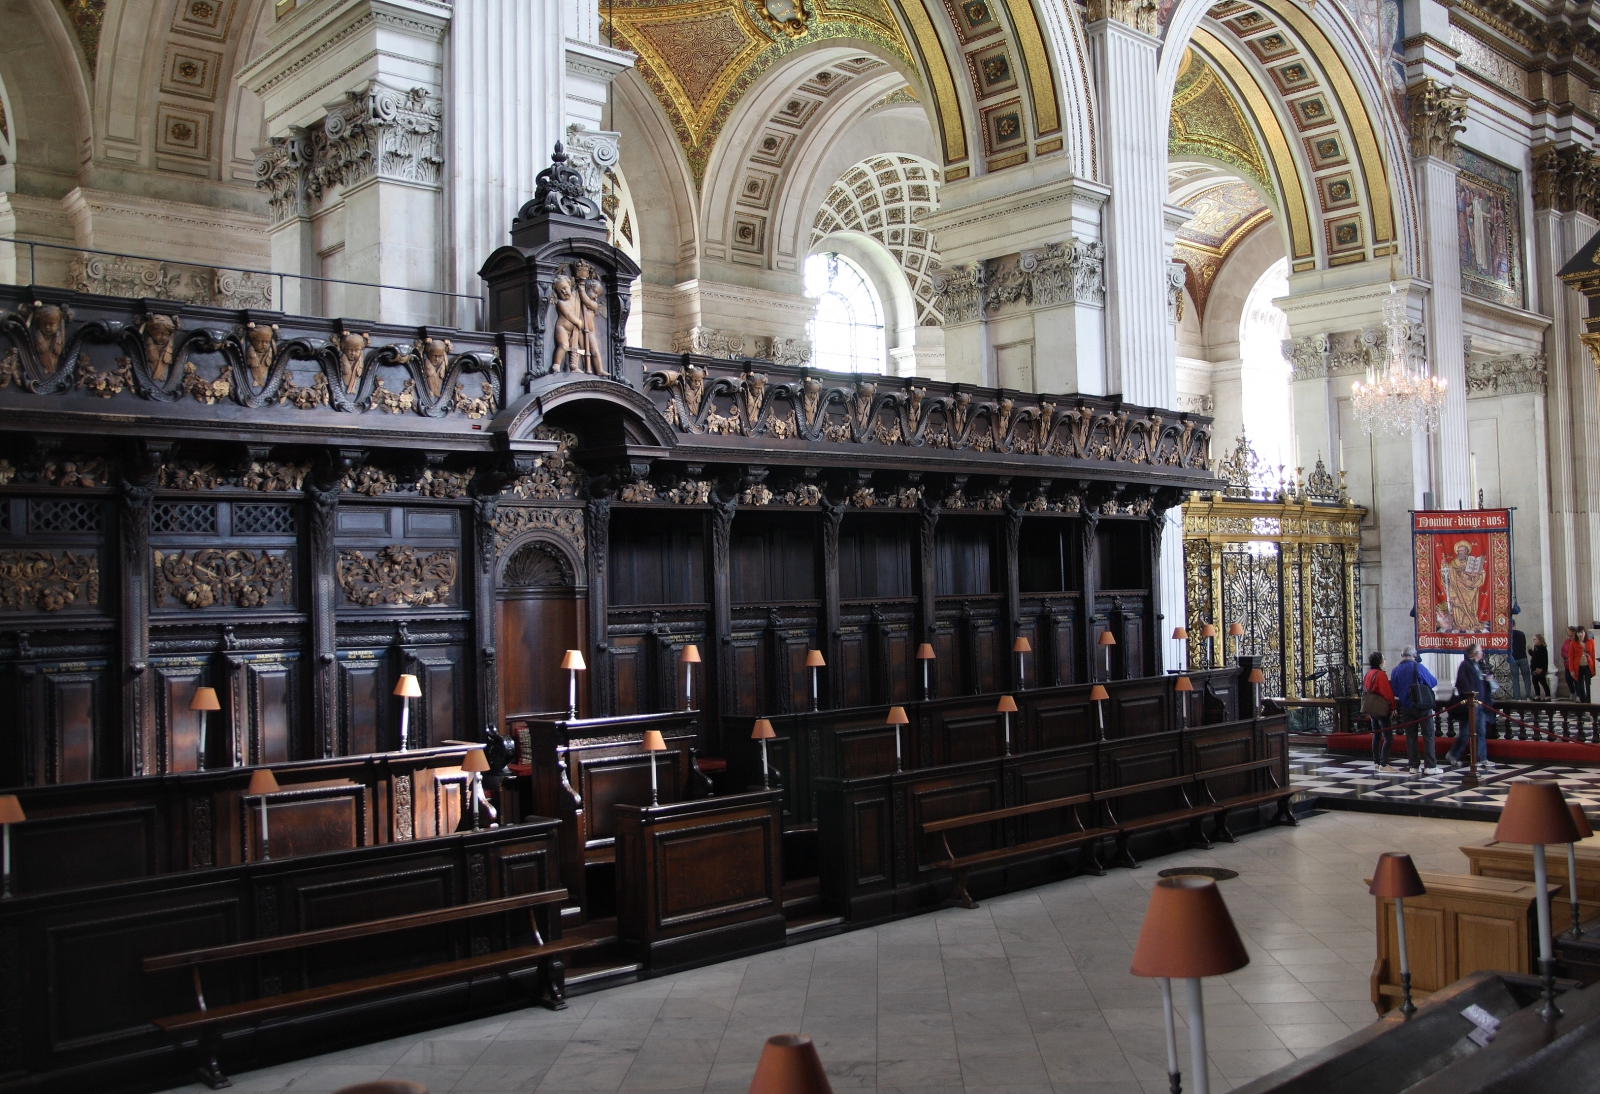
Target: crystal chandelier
column 1399, row 397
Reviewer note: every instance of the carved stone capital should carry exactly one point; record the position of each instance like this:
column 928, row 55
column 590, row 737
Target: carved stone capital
column 1437, row 114
column 592, row 153
column 281, row 170
column 382, row 131
column 1566, row 178
column 1141, row 15
column 1072, row 272
column 1514, row 374
column 1307, row 356
column 1175, row 271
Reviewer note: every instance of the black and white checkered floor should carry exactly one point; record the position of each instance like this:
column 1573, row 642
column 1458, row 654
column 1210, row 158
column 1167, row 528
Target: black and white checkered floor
column 1351, row 781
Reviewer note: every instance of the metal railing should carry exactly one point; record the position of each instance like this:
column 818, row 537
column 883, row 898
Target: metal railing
column 231, row 286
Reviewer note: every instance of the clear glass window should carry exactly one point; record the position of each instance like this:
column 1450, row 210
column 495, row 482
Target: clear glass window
column 847, row 331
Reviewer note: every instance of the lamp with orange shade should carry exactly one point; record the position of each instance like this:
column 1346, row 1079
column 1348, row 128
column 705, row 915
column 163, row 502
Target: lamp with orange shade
column 1180, row 635
column 1105, row 642
column 1580, row 821
column 262, row 783
column 1536, row 813
column 1098, row 695
column 653, row 743
column 897, row 718
column 689, row 658
column 1208, row 631
column 1396, row 878
column 408, row 689
column 762, row 731
column 926, row 655
column 1007, row 707
column 475, row 763
column 789, row 1065
column 1022, row 647
column 1256, row 679
column 573, row 664
column 1187, row 934
column 10, row 813
column 1183, row 686
column 1236, row 632
column 204, row 701
column 814, row 662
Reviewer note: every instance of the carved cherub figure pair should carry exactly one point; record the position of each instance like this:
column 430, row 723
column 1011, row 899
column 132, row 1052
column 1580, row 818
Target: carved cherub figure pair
column 578, row 297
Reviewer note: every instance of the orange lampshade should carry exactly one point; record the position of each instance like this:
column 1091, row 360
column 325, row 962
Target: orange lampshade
column 1235, row 629
column 1183, row 683
column 475, row 761
column 573, row 660
column 762, row 731
column 1179, row 632
column 1257, row 677
column 814, row 659
column 1106, row 639
column 262, row 782
column 897, row 717
column 1098, row 692
column 925, row 652
column 1007, row 705
column 1536, row 812
column 689, row 656
column 1396, row 876
column 11, row 810
column 1021, row 645
column 205, row 699
column 653, row 741
column 408, row 688
column 789, row 1064
column 1187, row 932
column 1208, row 631
column 1580, row 820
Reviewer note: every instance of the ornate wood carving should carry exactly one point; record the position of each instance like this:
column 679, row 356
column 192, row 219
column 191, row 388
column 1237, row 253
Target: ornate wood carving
column 396, row 575
column 832, row 517
column 322, row 502
column 597, row 520
column 211, row 577
column 512, row 521
column 138, row 699
column 48, row 581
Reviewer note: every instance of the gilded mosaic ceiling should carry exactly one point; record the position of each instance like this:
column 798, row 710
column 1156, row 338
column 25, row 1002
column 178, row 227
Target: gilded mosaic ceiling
column 701, row 56
column 1224, row 215
column 1207, row 122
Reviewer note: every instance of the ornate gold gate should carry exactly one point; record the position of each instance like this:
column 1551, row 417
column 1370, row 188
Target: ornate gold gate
column 1281, row 559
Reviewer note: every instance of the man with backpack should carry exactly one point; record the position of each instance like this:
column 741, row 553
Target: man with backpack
column 1413, row 688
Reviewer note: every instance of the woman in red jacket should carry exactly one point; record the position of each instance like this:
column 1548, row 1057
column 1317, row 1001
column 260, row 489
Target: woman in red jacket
column 1579, row 653
column 1377, row 703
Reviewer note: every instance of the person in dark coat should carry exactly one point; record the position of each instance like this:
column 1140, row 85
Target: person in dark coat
column 1471, row 681
column 1539, row 666
column 1408, row 676
column 1521, row 679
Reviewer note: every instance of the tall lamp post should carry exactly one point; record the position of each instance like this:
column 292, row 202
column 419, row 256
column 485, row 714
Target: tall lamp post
column 10, row 813
column 814, row 662
column 897, row 718
column 1208, row 632
column 204, row 701
column 689, row 658
column 1180, row 635
column 1396, row 878
column 653, row 743
column 1256, row 678
column 1536, row 813
column 1022, row 647
column 1236, row 632
column 762, row 731
column 475, row 763
column 1580, row 821
column 1098, row 696
column 926, row 655
column 1187, row 934
column 573, row 664
column 1106, row 641
column 1007, row 707
column 262, row 783
column 1183, row 686
column 407, row 689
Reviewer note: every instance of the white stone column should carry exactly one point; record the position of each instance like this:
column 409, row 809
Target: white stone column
column 1141, row 361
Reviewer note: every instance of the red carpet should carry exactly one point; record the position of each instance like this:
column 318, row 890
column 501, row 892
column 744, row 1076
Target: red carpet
column 1529, row 751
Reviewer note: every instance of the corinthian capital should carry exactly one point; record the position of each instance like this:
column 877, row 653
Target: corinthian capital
column 1566, row 178
column 1138, row 14
column 1438, row 113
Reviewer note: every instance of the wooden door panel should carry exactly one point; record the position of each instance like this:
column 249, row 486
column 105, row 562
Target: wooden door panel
column 533, row 635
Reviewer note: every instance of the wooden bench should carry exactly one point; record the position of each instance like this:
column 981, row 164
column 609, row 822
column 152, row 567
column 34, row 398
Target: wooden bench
column 209, row 1022
column 1194, row 811
column 959, row 865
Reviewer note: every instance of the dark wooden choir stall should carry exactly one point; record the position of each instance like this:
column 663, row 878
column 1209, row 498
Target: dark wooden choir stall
column 379, row 545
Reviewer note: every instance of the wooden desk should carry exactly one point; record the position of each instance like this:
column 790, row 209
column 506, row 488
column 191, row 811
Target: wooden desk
column 700, row 880
column 582, row 769
column 1460, row 926
column 1515, row 862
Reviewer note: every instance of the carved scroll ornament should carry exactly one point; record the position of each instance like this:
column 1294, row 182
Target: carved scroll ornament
column 214, row 577
column 47, row 580
column 396, row 575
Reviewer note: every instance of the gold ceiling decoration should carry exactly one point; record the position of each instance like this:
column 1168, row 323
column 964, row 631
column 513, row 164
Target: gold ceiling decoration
column 1206, row 122
column 1224, row 216
column 701, row 56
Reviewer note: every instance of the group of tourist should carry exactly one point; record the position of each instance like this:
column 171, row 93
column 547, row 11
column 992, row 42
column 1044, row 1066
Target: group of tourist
column 1405, row 699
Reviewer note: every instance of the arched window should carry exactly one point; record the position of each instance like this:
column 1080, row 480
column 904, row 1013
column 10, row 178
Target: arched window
column 847, row 332
column 1264, row 374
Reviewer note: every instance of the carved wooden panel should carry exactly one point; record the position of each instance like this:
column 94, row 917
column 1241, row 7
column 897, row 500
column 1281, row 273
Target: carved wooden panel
column 871, row 833
column 364, row 688
column 532, row 635
column 1061, row 723
column 977, row 737
column 177, row 725
column 868, row 751
column 441, row 713
column 657, row 558
column 64, row 711
column 309, row 821
column 264, row 688
column 963, row 562
column 853, row 667
column 749, row 672
column 629, row 654
column 1057, row 777
column 894, row 665
column 875, row 558
column 792, row 648
column 88, row 848
column 625, row 779
column 984, row 657
column 955, row 796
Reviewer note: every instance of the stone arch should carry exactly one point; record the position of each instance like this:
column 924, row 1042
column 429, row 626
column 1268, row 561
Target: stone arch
column 883, row 198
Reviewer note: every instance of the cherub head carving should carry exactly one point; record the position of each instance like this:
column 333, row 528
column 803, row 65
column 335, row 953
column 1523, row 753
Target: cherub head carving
column 434, row 354
column 352, row 358
column 49, row 323
column 260, row 347
column 158, row 331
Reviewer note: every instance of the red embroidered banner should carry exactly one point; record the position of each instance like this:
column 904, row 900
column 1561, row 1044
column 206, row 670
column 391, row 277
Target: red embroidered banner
column 1461, row 561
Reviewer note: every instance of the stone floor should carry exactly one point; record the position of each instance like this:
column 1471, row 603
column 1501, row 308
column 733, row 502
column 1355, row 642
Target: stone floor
column 1030, row 994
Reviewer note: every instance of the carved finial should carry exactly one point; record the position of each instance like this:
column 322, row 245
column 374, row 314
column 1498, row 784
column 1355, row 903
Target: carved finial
column 559, row 189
